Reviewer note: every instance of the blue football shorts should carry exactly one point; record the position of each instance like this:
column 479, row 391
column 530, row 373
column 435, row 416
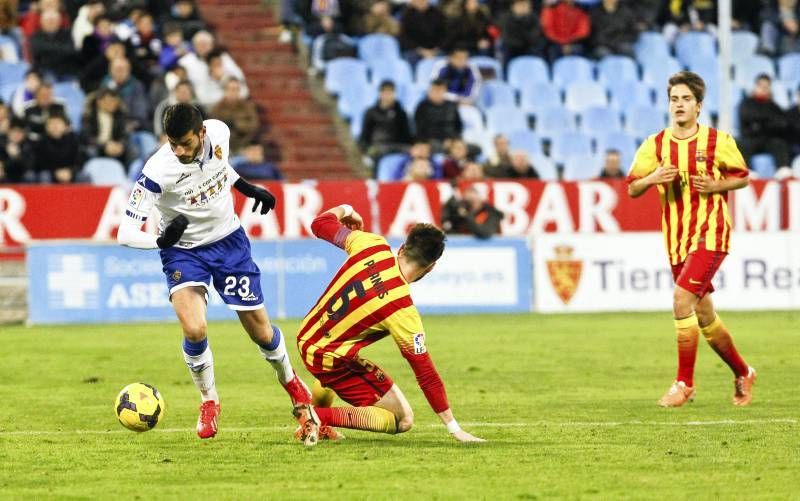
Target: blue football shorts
column 227, row 262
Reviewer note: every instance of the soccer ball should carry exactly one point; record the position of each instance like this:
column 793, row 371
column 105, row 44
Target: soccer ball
column 139, row 407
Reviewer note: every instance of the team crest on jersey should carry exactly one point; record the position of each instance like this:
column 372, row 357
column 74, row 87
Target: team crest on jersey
column 218, row 152
column 176, row 275
column 700, row 156
column 419, row 344
column 136, row 197
column 565, row 273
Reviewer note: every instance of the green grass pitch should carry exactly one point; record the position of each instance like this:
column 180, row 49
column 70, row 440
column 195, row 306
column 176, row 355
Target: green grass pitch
column 566, row 402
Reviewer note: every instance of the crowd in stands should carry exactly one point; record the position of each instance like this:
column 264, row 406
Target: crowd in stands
column 550, row 89
column 84, row 86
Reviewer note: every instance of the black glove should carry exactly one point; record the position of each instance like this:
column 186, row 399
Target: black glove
column 259, row 194
column 173, row 232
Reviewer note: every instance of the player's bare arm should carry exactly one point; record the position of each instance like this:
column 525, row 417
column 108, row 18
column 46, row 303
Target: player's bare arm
column 662, row 174
column 455, row 429
column 347, row 216
column 705, row 184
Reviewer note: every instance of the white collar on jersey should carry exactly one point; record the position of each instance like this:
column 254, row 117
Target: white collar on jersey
column 205, row 153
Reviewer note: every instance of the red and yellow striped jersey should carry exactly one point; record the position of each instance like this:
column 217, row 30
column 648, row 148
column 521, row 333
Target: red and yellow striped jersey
column 691, row 220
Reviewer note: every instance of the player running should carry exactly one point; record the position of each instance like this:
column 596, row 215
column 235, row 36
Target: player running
column 694, row 167
column 189, row 181
column 367, row 300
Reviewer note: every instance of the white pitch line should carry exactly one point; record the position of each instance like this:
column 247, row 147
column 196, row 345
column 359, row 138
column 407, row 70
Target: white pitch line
column 476, row 424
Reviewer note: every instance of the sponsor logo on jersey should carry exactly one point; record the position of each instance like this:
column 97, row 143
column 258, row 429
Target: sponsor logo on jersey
column 218, row 152
column 419, row 343
column 182, row 177
column 136, row 197
column 250, row 297
column 176, row 275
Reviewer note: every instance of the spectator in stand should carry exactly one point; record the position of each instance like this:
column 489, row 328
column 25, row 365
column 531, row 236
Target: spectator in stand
column 647, row 12
column 456, row 160
column 8, row 18
column 86, row 22
column 688, row 15
column 196, row 63
column 51, row 48
column 39, row 110
column 173, row 48
column 145, row 49
column 385, row 127
column 500, row 160
column 462, row 78
column 470, row 214
column 612, row 165
column 470, row 28
column 98, row 66
column 566, row 26
column 5, row 118
column 321, row 10
column 330, row 44
column 437, row 119
column 16, row 155
column 254, row 166
column 420, row 150
column 31, row 21
column 422, row 30
column 379, row 20
column 472, row 172
column 613, row 29
column 520, row 167
column 521, row 33
column 786, row 27
column 418, row 170
column 131, row 91
column 57, row 155
column 25, row 92
column 184, row 15
column 104, row 132
column 763, row 124
column 211, row 89
column 239, row 113
column 793, row 117
column 182, row 93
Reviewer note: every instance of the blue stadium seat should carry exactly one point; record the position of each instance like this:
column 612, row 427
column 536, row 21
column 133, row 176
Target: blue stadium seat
column 571, row 69
column 568, row 143
column 410, row 96
column 523, row 70
column 488, row 66
column 355, row 100
column 545, row 167
column 12, row 73
column 789, row 69
column 424, row 71
column 554, row 120
column 389, row 167
column 651, row 45
column 103, row 171
column 537, row 96
column 796, row 166
column 581, row 95
column 763, row 164
column 496, row 93
column 643, row 121
column 597, row 120
column 525, row 140
column 471, row 117
column 356, row 123
column 396, row 70
column 480, row 138
column 74, row 100
column 707, row 66
column 345, row 72
column 581, row 167
column 627, row 93
column 691, row 44
column 505, row 119
column 656, row 72
column 620, row 141
column 144, row 143
column 376, row 47
column 7, row 91
column 781, row 95
column 745, row 71
column 617, row 69
column 743, row 44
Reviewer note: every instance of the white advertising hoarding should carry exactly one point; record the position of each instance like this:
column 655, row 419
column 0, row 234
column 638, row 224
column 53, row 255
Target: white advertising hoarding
column 630, row 272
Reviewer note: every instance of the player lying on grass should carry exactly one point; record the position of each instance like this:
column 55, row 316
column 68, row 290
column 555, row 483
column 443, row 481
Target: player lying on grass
column 367, row 300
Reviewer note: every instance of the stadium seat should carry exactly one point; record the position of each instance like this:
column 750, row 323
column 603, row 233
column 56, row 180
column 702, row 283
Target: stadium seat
column 389, row 167
column 746, row 71
column 377, row 47
column 711, row 103
column 554, row 120
column 7, row 91
column 627, row 93
column 569, row 143
column 545, row 167
column 789, row 69
column 707, row 67
column 74, row 99
column 496, row 93
column 144, row 143
column 523, row 70
column 12, row 73
column 763, row 164
column 581, row 167
column 597, row 120
column 505, row 119
column 103, row 171
column 581, row 95
column 643, row 121
column 656, row 72
column 617, row 69
column 488, row 66
column 651, row 46
column 571, row 69
column 356, row 123
column 537, row 96
column 796, row 167
column 620, row 141
column 690, row 44
column 396, row 70
column 424, row 71
column 471, row 117
column 525, row 140
column 743, row 44
column 355, row 100
column 781, row 95
column 410, row 96
column 480, row 138
column 345, row 72
column 9, row 49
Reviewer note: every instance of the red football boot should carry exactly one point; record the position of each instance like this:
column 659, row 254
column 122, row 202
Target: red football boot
column 207, row 421
column 298, row 391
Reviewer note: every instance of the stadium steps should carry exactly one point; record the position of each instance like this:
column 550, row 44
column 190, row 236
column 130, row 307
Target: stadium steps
column 13, row 291
column 302, row 135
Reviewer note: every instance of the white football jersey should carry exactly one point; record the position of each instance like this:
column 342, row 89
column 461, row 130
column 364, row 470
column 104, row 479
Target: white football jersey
column 201, row 190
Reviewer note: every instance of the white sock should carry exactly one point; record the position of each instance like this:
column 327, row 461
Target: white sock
column 201, row 368
column 279, row 358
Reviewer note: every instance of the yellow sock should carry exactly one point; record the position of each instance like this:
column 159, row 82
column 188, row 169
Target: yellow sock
column 359, row 418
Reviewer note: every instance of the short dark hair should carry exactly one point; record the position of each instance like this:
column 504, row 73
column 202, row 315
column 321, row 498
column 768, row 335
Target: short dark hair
column 691, row 80
column 424, row 244
column 182, row 118
column 387, row 84
column 763, row 76
column 438, row 82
